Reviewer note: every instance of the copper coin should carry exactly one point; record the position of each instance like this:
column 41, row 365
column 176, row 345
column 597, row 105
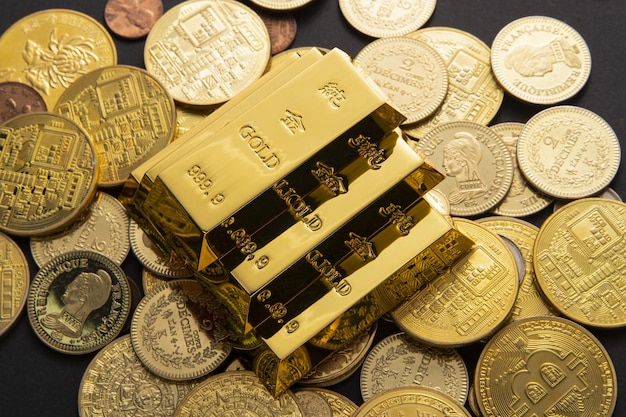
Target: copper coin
column 17, row 98
column 281, row 28
column 132, row 18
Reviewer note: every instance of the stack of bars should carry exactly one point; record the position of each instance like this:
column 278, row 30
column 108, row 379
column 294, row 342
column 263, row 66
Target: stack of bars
column 300, row 208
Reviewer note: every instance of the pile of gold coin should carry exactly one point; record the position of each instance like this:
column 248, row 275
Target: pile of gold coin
column 76, row 125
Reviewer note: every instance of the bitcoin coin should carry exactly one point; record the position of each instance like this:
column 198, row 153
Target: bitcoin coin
column 18, row 98
column 15, row 282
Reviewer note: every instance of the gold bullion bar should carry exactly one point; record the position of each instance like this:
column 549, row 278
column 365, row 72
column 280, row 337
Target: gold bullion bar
column 401, row 168
column 295, row 332
column 262, row 146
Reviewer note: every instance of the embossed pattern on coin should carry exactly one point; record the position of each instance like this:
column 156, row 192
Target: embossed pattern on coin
column 191, row 50
column 18, row 98
column 49, row 173
column 186, row 119
column 311, row 403
column 104, row 229
column 176, row 331
column 132, row 19
column 341, row 405
column 545, row 367
column 540, row 59
column 78, row 302
column 15, row 282
column 281, row 27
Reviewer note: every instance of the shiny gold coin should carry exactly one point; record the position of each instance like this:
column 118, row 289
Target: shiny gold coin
column 150, row 280
column 186, row 118
column 51, row 49
column 545, row 367
column 48, row 173
column 409, row 72
column 568, row 152
column 540, row 59
column 412, row 401
column 78, row 302
column 578, row 258
column 385, row 368
column 607, row 193
column 116, row 383
column 103, row 228
column 236, row 393
column 529, row 301
column 15, row 282
column 205, row 52
column 473, row 92
column 477, row 163
column 341, row 405
column 176, row 331
column 470, row 301
column 472, row 402
column 380, row 19
column 521, row 199
column 126, row 112
column 281, row 4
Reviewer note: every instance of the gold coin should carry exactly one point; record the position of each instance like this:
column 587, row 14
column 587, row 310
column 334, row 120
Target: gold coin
column 50, row 49
column 236, row 393
column 470, row 301
column 103, row 228
column 116, row 383
column 176, row 331
column 578, row 258
column 521, row 199
column 205, row 52
column 15, row 281
column 150, row 280
column 568, row 152
column 529, row 301
column 409, row 72
column 545, row 366
column 380, row 19
column 126, row 112
column 607, row 193
column 540, row 59
column 78, row 302
column 281, row 4
column 186, row 118
column 48, row 173
column 473, row 92
column 477, row 163
column 472, row 401
column 385, row 368
column 412, row 401
column 341, row 405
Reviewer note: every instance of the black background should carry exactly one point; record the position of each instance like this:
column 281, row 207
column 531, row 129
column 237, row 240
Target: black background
column 38, row 381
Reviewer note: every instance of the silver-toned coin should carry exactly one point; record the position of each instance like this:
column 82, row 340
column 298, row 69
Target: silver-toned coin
column 311, row 403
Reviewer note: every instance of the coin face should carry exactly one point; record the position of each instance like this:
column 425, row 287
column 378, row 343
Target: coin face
column 540, row 59
column 116, row 383
column 132, row 19
column 236, row 393
column 50, row 49
column 341, row 405
column 477, row 163
column 15, row 282
column 176, row 331
column 78, row 302
column 205, row 52
column 48, row 173
column 409, row 72
column 281, row 27
column 104, row 229
column 578, row 261
column 545, row 366
column 18, row 98
column 568, row 152
column 126, row 112
column 312, row 403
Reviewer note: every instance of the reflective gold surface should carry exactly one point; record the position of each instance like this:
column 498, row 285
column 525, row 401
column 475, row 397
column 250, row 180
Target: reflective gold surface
column 15, row 282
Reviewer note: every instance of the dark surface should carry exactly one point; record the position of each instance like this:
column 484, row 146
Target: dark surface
column 37, row 381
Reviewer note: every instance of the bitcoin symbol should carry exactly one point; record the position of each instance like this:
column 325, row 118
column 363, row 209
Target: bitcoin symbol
column 550, row 385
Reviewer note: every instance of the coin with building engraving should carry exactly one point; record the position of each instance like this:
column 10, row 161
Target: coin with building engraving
column 50, row 49
column 205, row 52
column 411, row 74
column 473, row 92
column 177, row 331
column 116, row 383
column 477, row 163
column 540, row 59
column 132, row 19
column 468, row 302
column 578, row 258
column 398, row 361
column 236, row 393
column 78, row 302
column 127, row 113
column 545, row 366
column 568, row 152
column 48, row 173
column 15, row 282
column 103, row 228
column 18, row 98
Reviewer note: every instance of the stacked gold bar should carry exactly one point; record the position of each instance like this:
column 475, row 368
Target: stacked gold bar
column 299, row 205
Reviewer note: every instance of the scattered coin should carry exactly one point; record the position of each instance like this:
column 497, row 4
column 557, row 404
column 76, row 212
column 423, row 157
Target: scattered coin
column 608, row 193
column 281, row 27
column 281, row 5
column 186, row 118
column 341, row 405
column 150, row 280
column 15, row 282
column 132, row 19
column 312, row 403
column 18, row 98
